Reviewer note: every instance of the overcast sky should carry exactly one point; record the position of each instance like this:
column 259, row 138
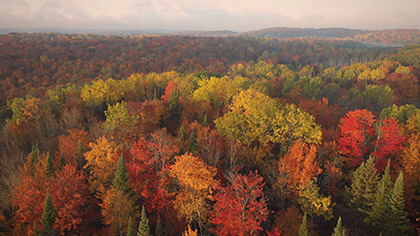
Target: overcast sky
column 236, row 15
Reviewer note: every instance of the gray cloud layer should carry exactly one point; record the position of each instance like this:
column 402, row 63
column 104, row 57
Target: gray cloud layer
column 209, row 14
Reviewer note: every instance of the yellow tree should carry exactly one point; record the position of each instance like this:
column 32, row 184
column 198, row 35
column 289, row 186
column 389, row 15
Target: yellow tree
column 196, row 180
column 101, row 163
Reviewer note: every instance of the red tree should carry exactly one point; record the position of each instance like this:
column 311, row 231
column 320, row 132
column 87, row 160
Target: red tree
column 356, row 133
column 241, row 208
column 389, row 142
column 69, row 192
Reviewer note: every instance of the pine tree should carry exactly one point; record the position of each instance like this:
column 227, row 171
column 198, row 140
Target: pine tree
column 339, row 230
column 62, row 162
column 304, row 231
column 36, row 230
column 193, row 141
column 363, row 187
column 121, row 179
column 49, row 166
column 204, row 117
column 144, row 228
column 377, row 216
column 34, row 157
column 182, row 134
column 397, row 222
column 174, row 101
column 48, row 216
column 160, row 231
column 131, row 231
column 80, row 155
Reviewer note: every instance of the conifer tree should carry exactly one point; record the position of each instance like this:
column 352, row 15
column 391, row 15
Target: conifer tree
column 204, row 117
column 193, row 141
column 131, row 231
column 49, row 166
column 304, row 231
column 36, row 230
column 62, row 162
column 363, row 186
column 34, row 157
column 182, row 134
column 80, row 155
column 397, row 222
column 48, row 216
column 339, row 230
column 160, row 231
column 376, row 217
column 144, row 228
column 121, row 179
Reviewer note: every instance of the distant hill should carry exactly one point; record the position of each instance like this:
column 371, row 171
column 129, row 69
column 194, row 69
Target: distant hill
column 394, row 37
column 285, row 33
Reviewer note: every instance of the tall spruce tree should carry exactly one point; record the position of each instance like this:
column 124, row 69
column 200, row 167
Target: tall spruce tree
column 193, row 141
column 364, row 185
column 49, row 166
column 377, row 217
column 397, row 223
column 144, row 228
column 80, row 155
column 34, row 157
column 339, row 230
column 304, row 231
column 48, row 216
column 131, row 230
column 121, row 179
column 160, row 231
column 62, row 162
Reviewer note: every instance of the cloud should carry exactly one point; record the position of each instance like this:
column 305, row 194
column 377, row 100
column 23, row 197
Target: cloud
column 209, row 14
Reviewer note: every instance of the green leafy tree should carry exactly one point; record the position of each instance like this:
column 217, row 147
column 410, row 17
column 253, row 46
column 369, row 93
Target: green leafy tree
column 48, row 216
column 144, row 228
column 313, row 203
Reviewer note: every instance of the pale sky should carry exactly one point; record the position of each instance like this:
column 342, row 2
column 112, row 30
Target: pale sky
column 236, row 15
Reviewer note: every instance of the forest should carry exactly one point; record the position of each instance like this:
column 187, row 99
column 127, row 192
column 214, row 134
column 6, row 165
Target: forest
column 182, row 135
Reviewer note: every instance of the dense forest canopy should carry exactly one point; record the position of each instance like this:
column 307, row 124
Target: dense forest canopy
column 182, row 135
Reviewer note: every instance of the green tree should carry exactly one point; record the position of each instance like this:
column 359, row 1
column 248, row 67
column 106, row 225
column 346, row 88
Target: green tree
column 397, row 222
column 121, row 179
column 313, row 203
column 160, row 231
column 34, row 157
column 193, row 141
column 144, row 228
column 363, row 187
column 304, row 231
column 48, row 216
column 49, row 166
column 377, row 217
column 80, row 155
column 61, row 163
column 339, row 230
column 131, row 231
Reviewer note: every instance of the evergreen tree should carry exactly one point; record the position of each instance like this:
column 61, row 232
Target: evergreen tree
column 121, row 179
column 363, row 187
column 377, row 216
column 34, row 157
column 48, row 216
column 397, row 222
column 80, row 155
column 339, row 230
column 304, row 231
column 193, row 141
column 174, row 101
column 62, row 162
column 160, row 231
column 49, row 166
column 204, row 117
column 131, row 231
column 182, row 134
column 144, row 228
column 36, row 230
